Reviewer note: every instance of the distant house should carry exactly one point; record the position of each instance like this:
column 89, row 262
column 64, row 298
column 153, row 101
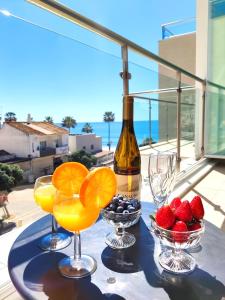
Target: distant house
column 88, row 142
column 45, row 145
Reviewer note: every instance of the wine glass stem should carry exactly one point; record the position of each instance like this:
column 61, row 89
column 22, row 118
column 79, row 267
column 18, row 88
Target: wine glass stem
column 54, row 225
column 176, row 252
column 120, row 231
column 77, row 247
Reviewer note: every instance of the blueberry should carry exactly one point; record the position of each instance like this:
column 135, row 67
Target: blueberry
column 122, row 203
column 115, row 200
column 129, row 206
column 119, row 209
column 125, row 212
column 120, row 197
column 134, row 202
column 108, row 208
column 131, row 209
column 112, row 207
column 127, row 203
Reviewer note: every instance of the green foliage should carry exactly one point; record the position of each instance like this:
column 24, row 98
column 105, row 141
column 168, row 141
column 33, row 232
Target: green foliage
column 6, row 182
column 69, row 122
column 87, row 128
column 84, row 158
column 10, row 116
column 147, row 141
column 10, row 176
column 109, row 117
column 48, row 119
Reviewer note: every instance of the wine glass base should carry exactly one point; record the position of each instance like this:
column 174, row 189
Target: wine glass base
column 70, row 268
column 54, row 242
column 177, row 263
column 120, row 241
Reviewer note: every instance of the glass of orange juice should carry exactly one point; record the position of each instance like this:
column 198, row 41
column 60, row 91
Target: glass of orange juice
column 44, row 195
column 72, row 215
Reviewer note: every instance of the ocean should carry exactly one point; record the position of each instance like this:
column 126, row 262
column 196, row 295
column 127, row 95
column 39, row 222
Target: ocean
column 101, row 129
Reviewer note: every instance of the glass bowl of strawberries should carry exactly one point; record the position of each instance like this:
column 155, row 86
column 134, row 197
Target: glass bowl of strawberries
column 179, row 226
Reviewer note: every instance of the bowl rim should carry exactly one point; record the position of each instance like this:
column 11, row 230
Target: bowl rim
column 200, row 230
column 122, row 214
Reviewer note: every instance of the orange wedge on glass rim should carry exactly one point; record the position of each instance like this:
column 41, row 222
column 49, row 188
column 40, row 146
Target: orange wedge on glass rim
column 98, row 187
column 69, row 176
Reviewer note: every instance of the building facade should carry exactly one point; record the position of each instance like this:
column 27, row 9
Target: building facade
column 88, row 142
column 37, row 147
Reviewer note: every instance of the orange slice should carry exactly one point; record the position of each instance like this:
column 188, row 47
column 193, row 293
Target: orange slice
column 98, row 187
column 69, row 176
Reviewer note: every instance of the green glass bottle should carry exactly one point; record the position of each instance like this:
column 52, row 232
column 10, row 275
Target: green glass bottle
column 127, row 159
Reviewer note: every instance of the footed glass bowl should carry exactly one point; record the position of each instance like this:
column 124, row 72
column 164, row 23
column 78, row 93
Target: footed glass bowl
column 174, row 259
column 120, row 239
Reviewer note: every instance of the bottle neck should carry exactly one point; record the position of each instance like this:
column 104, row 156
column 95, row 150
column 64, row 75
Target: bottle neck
column 128, row 109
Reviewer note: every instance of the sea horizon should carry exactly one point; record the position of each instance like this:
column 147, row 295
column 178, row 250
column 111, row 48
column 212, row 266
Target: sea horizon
column 141, row 128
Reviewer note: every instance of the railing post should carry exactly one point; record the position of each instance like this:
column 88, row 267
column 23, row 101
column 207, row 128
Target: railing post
column 150, row 121
column 125, row 75
column 179, row 91
column 203, row 118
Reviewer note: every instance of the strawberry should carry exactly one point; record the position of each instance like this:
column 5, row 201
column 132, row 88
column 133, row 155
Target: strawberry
column 164, row 217
column 179, row 237
column 194, row 226
column 175, row 203
column 183, row 212
column 197, row 208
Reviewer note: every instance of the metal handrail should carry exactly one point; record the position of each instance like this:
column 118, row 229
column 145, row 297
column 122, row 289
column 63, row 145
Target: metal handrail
column 87, row 23
column 71, row 15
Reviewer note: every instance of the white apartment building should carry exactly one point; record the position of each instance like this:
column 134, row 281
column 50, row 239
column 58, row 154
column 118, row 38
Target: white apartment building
column 43, row 144
column 88, row 142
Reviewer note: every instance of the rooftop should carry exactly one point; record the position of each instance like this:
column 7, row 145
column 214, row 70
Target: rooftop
column 37, row 128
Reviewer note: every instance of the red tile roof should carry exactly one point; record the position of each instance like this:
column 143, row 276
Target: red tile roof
column 38, row 128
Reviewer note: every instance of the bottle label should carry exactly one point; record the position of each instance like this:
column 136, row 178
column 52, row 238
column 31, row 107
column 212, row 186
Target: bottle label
column 129, row 185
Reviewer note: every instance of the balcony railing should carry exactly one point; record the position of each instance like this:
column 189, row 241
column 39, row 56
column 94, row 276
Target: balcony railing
column 62, row 149
column 47, row 151
column 170, row 100
column 178, row 27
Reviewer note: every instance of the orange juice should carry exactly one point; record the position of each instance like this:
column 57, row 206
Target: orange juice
column 44, row 197
column 72, row 215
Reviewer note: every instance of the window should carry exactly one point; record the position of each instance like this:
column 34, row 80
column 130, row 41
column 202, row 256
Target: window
column 84, row 147
column 43, row 145
column 92, row 147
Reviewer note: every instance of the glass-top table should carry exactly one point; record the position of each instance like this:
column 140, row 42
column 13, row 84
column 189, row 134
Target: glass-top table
column 132, row 273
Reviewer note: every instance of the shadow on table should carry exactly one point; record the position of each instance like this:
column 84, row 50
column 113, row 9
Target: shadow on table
column 47, row 279
column 195, row 286
column 198, row 285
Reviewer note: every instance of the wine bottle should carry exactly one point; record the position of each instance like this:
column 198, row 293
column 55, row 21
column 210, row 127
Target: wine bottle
column 127, row 159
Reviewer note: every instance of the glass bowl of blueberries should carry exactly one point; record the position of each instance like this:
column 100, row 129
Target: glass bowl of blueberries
column 121, row 213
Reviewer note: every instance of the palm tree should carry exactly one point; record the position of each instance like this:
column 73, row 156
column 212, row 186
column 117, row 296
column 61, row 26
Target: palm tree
column 69, row 122
column 48, row 119
column 87, row 128
column 10, row 116
column 109, row 117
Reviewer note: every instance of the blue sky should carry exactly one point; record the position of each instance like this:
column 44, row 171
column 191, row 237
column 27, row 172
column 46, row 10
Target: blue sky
column 59, row 69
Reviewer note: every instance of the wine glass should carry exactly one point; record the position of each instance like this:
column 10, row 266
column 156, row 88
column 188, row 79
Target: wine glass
column 162, row 175
column 44, row 194
column 173, row 258
column 72, row 215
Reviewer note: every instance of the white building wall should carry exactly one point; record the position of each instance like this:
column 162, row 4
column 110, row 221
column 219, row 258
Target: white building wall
column 15, row 141
column 88, row 142
column 65, row 140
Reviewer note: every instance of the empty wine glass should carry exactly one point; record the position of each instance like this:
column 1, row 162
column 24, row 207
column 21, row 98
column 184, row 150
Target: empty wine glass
column 162, row 175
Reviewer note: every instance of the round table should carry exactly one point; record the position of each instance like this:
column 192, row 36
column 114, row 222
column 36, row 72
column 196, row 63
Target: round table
column 132, row 273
